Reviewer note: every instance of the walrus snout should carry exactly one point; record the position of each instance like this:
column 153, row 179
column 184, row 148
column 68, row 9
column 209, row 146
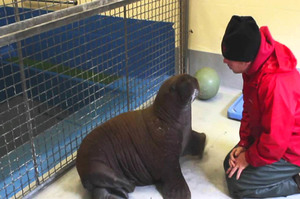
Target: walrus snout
column 188, row 88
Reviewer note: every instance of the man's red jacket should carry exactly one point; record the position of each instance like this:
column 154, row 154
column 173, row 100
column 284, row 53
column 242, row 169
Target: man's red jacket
column 270, row 126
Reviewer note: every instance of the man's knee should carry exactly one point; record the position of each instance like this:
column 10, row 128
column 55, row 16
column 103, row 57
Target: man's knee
column 226, row 162
column 231, row 182
column 233, row 187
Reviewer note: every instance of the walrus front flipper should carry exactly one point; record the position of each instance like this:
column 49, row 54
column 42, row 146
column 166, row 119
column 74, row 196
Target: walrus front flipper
column 175, row 188
column 103, row 193
column 196, row 144
column 173, row 184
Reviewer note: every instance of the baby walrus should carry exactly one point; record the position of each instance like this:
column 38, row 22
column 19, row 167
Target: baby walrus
column 143, row 147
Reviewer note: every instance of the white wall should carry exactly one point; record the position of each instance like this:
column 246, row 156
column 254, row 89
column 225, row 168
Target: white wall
column 208, row 20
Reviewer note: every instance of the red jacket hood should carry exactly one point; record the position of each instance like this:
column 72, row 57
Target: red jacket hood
column 281, row 56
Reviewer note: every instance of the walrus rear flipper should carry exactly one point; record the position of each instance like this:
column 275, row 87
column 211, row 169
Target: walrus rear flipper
column 103, row 193
column 104, row 182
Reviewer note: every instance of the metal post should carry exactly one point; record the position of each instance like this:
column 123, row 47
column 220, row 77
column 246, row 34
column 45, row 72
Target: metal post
column 126, row 57
column 25, row 98
column 183, row 36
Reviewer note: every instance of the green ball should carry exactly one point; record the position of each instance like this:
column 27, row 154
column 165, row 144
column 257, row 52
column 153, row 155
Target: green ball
column 209, row 82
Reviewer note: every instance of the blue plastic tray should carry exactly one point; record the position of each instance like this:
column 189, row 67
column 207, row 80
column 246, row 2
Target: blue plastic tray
column 236, row 109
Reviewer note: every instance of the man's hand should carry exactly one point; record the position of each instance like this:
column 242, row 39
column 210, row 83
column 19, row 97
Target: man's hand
column 235, row 153
column 237, row 164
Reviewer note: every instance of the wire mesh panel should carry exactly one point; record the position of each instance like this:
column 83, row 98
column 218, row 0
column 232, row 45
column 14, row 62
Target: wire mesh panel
column 70, row 71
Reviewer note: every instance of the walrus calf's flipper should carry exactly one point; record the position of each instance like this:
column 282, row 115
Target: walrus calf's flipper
column 103, row 193
column 196, row 144
column 143, row 147
column 104, row 183
column 174, row 185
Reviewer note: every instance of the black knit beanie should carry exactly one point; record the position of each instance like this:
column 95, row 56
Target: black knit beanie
column 241, row 40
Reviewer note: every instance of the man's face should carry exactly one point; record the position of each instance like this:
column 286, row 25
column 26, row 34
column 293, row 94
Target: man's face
column 237, row 66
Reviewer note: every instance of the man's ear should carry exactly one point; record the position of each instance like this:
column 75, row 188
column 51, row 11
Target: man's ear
column 248, row 64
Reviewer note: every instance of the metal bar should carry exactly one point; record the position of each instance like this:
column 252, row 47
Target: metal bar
column 27, row 28
column 186, row 32
column 60, row 2
column 126, row 58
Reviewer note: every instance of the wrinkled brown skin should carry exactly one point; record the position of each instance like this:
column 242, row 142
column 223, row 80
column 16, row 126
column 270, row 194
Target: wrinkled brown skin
column 143, row 147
